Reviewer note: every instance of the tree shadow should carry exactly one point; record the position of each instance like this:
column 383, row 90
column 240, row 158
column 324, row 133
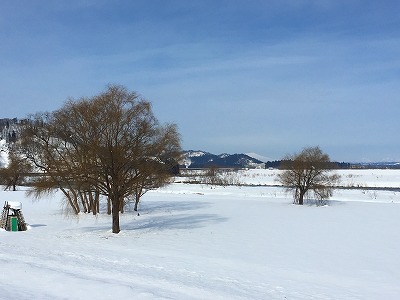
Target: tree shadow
column 155, row 207
column 170, row 222
column 163, row 215
column 318, row 203
column 37, row 225
column 168, row 215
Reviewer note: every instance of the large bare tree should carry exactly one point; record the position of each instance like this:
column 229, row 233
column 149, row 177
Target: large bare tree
column 308, row 172
column 110, row 144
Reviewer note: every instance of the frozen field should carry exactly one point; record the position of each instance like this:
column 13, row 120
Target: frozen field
column 198, row 242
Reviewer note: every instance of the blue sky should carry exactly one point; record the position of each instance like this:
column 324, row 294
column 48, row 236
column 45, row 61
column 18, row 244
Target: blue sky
column 269, row 77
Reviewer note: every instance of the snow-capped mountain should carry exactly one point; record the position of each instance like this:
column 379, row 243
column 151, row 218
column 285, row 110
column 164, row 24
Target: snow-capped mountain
column 259, row 157
column 202, row 159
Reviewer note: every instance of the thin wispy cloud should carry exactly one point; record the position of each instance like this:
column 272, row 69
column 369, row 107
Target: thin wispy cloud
column 263, row 76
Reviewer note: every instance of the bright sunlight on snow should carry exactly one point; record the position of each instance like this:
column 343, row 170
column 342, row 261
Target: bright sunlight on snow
column 202, row 242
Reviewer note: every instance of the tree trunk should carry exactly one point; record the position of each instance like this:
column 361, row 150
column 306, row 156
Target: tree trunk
column 69, row 195
column 301, row 197
column 121, row 206
column 136, row 204
column 97, row 201
column 115, row 215
column 91, row 203
column 138, row 193
column 93, row 200
column 108, row 205
column 84, row 201
column 73, row 200
column 15, row 183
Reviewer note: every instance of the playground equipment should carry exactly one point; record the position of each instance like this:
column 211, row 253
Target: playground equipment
column 12, row 218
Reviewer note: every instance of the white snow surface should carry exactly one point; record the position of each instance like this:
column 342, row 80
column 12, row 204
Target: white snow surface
column 361, row 178
column 202, row 242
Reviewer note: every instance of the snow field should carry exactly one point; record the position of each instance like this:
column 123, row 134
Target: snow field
column 202, row 242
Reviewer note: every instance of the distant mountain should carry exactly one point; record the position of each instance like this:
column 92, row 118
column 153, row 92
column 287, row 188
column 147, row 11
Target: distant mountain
column 259, row 157
column 202, row 159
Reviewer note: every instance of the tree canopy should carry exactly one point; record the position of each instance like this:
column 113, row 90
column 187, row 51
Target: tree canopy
column 308, row 173
column 110, row 144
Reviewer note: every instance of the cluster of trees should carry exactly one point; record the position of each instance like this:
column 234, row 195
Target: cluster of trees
column 16, row 171
column 9, row 129
column 277, row 164
column 112, row 146
column 108, row 145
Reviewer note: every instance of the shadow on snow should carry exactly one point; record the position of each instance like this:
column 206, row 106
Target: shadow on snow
column 164, row 215
column 155, row 207
column 167, row 215
column 182, row 221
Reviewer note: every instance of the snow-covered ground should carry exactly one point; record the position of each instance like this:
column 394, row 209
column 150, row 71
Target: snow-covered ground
column 202, row 242
column 372, row 178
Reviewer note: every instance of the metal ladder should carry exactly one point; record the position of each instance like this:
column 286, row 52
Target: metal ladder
column 4, row 216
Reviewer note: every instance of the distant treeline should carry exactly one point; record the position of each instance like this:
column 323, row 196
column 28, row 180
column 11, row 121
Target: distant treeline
column 10, row 129
column 276, row 164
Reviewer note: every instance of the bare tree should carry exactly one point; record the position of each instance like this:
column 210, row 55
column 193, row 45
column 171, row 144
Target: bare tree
column 308, row 172
column 106, row 144
column 52, row 156
column 16, row 171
